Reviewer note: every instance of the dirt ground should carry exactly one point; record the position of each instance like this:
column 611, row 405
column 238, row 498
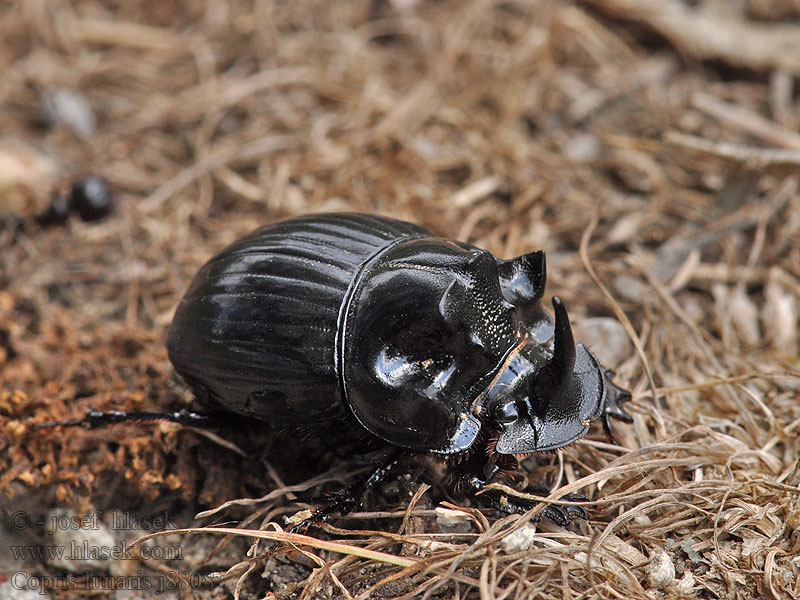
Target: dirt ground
column 651, row 147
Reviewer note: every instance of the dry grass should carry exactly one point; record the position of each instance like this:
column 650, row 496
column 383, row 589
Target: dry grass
column 658, row 170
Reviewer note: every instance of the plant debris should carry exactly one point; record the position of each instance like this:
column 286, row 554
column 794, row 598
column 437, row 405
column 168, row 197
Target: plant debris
column 650, row 147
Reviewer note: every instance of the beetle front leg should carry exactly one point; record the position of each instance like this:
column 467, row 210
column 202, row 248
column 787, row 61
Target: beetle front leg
column 559, row 514
column 346, row 500
column 612, row 408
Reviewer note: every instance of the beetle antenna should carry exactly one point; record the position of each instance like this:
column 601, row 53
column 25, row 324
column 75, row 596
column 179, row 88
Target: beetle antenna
column 563, row 360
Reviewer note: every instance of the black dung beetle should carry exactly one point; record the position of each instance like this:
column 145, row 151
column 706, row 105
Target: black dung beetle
column 376, row 327
column 58, row 211
column 92, row 198
column 428, row 344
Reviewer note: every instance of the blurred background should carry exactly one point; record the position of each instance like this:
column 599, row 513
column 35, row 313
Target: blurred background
column 650, row 147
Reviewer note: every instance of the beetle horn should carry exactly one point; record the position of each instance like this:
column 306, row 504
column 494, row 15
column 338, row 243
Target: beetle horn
column 563, row 360
column 523, row 278
column 564, row 396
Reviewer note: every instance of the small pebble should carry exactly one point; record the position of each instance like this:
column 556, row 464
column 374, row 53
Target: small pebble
column 688, row 547
column 582, row 148
column 61, row 106
column 744, row 317
column 23, row 586
column 448, row 517
column 780, row 315
column 606, row 337
column 87, row 542
column 660, row 571
column 629, row 287
column 25, row 173
column 521, row 539
column 687, row 584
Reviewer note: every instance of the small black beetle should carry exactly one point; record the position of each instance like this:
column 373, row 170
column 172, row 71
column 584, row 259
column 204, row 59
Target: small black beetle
column 374, row 328
column 359, row 321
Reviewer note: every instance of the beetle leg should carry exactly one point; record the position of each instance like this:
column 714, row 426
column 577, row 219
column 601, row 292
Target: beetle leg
column 559, row 514
column 346, row 500
column 615, row 396
column 474, row 479
column 96, row 418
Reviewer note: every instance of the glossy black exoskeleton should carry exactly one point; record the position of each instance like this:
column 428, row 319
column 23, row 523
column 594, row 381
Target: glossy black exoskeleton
column 430, row 345
column 372, row 325
column 92, row 198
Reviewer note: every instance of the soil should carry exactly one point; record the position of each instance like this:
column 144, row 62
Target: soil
column 651, row 148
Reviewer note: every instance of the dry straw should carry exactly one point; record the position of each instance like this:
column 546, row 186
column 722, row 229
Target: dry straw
column 649, row 147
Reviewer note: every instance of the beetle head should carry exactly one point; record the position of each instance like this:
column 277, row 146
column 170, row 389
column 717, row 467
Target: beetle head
column 438, row 338
column 543, row 402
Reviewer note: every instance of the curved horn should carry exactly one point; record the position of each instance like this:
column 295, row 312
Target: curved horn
column 522, row 279
column 563, row 360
